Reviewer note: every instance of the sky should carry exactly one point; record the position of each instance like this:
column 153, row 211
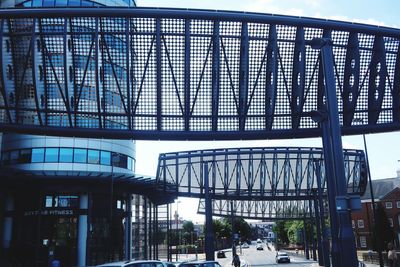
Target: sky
column 383, row 149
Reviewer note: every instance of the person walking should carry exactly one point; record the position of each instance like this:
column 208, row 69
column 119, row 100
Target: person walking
column 392, row 256
column 236, row 260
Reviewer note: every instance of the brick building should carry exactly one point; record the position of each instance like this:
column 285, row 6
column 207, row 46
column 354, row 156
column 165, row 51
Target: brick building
column 386, row 191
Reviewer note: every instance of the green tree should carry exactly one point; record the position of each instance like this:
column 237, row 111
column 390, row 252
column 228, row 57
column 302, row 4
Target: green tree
column 281, row 232
column 188, row 233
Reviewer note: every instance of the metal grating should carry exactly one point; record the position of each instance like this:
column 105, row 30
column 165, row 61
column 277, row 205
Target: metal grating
column 178, row 74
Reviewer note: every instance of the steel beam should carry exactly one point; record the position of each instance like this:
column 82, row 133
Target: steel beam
column 209, row 235
column 215, row 82
column 351, row 80
column 346, row 250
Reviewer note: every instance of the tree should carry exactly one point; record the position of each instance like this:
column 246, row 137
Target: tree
column 281, row 233
column 188, row 232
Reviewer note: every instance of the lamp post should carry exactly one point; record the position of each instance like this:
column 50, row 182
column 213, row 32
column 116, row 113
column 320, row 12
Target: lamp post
column 371, row 192
column 177, row 235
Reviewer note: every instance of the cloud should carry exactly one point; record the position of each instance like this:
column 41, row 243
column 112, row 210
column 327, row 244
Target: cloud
column 274, row 7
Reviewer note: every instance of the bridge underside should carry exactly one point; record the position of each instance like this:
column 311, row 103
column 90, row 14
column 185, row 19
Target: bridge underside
column 283, row 173
column 190, row 74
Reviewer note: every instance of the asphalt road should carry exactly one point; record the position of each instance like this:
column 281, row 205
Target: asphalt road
column 260, row 258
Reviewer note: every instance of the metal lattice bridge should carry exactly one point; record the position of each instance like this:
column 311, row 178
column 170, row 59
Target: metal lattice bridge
column 189, row 74
column 264, row 183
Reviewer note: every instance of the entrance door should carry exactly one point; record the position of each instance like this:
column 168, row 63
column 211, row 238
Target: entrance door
column 59, row 238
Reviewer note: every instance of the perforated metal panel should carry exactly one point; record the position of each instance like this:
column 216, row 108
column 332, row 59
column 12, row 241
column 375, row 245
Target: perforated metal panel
column 177, row 74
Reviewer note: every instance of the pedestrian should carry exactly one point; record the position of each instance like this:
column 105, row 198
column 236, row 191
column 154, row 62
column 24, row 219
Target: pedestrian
column 370, row 255
column 392, row 255
column 236, row 260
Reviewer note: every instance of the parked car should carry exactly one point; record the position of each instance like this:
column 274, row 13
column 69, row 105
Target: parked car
column 134, row 263
column 260, row 247
column 221, row 254
column 199, row 264
column 282, row 257
column 245, row 245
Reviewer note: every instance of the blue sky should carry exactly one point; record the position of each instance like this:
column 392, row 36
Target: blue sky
column 383, row 149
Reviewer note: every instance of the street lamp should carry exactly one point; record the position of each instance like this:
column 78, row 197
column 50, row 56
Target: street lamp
column 177, row 235
column 371, row 190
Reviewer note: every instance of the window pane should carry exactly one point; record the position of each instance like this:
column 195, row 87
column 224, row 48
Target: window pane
column 93, row 156
column 14, row 155
column 5, row 157
column 49, row 202
column 105, row 158
column 66, row 154
column 123, row 161
column 51, row 155
column 130, row 163
column 80, row 155
column 115, row 159
column 38, row 155
column 25, row 156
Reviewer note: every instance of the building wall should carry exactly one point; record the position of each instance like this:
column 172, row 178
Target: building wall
column 363, row 220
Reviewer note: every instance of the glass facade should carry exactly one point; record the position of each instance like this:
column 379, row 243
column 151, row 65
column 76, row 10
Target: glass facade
column 67, row 155
column 80, row 3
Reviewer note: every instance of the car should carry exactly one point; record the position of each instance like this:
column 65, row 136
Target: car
column 199, row 264
column 245, row 245
column 282, row 257
column 134, row 263
column 259, row 247
column 221, row 254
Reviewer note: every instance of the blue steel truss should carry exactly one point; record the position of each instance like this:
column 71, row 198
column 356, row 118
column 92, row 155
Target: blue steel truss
column 255, row 173
column 261, row 210
column 176, row 74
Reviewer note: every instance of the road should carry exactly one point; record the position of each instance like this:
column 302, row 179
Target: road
column 261, row 258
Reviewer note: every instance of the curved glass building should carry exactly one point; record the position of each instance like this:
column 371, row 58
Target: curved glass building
column 76, row 200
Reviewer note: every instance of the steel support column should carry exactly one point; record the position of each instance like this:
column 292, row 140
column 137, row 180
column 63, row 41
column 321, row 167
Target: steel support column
column 128, row 229
column 325, row 241
column 209, row 236
column 319, row 236
column 306, row 248
column 346, row 256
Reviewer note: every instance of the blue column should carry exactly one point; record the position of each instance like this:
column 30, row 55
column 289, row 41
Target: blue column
column 209, row 238
column 319, row 236
column 8, row 222
column 128, row 228
column 82, row 230
column 346, row 256
column 325, row 241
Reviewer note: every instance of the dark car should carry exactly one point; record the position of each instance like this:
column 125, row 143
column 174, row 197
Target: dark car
column 282, row 257
column 221, row 254
column 134, row 263
column 199, row 264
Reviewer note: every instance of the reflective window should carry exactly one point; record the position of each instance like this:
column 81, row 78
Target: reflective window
column 51, row 155
column 49, row 202
column 48, row 2
column 5, row 157
column 61, row 2
column 25, row 156
column 93, row 156
column 80, row 155
column 130, row 163
column 67, row 201
column 14, row 155
column 105, row 158
column 66, row 154
column 38, row 155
